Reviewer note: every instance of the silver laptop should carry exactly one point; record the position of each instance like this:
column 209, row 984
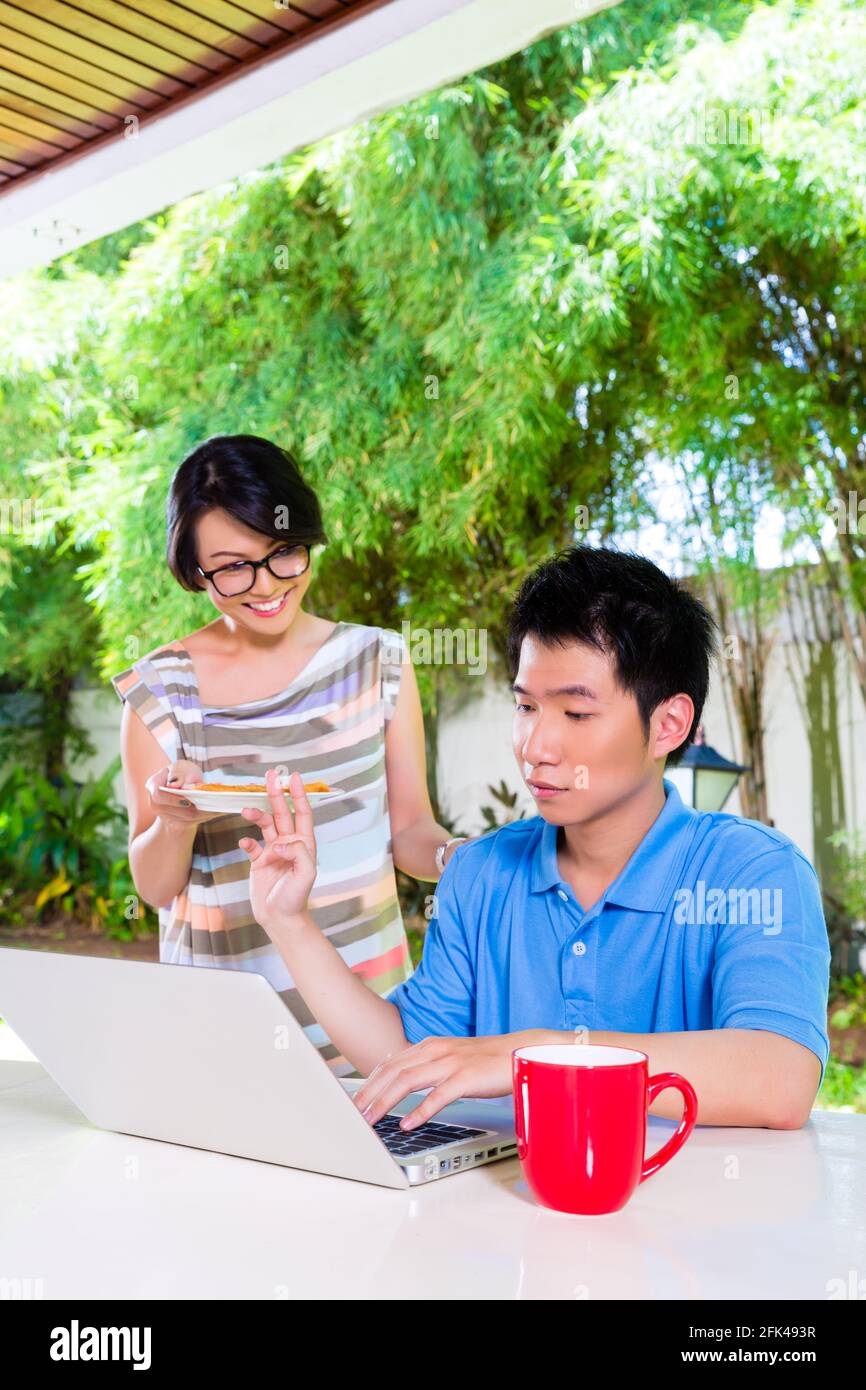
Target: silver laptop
column 213, row 1059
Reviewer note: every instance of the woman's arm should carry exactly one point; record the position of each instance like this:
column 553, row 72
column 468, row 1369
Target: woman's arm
column 415, row 833
column 161, row 831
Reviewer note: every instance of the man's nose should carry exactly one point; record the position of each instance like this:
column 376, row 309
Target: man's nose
column 538, row 746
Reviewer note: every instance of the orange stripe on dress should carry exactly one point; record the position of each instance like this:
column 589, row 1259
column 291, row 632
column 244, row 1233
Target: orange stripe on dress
column 342, row 738
column 180, row 906
column 206, row 917
column 379, row 964
column 199, row 916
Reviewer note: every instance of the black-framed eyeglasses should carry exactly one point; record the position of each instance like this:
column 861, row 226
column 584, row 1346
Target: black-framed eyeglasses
column 231, row 580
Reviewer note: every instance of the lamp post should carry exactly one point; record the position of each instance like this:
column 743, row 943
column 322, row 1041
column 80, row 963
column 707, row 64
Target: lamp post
column 703, row 778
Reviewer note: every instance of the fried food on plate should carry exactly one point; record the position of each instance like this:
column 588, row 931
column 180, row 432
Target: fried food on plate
column 256, row 787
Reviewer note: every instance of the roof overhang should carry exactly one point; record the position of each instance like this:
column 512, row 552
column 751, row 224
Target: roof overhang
column 377, row 56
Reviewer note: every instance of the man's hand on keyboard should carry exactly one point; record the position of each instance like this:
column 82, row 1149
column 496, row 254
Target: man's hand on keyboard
column 454, row 1067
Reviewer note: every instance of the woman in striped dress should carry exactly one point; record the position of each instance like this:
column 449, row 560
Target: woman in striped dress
column 268, row 685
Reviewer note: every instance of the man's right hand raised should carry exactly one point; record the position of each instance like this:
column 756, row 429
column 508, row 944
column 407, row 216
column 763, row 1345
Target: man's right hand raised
column 283, row 868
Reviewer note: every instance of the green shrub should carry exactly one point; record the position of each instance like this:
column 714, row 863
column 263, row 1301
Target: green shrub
column 61, row 848
column 843, row 1088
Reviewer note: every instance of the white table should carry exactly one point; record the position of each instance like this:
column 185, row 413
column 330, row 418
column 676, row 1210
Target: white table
column 739, row 1213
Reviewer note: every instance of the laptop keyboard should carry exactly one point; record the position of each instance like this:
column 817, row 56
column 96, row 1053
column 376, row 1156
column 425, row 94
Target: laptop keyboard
column 432, row 1135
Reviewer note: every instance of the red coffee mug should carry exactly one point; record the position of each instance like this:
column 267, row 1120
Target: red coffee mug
column 580, row 1110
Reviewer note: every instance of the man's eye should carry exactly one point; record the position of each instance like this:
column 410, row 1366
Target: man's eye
column 518, row 707
column 572, row 715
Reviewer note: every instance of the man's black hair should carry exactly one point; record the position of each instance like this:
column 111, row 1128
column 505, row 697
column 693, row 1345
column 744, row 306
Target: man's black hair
column 659, row 636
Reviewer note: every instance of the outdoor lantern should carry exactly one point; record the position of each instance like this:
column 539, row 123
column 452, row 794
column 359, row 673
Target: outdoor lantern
column 703, row 777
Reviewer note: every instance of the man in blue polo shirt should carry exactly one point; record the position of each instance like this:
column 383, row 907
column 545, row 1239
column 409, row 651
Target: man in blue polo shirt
column 617, row 914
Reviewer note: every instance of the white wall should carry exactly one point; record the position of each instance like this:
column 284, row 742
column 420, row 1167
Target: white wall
column 789, row 768
column 98, row 711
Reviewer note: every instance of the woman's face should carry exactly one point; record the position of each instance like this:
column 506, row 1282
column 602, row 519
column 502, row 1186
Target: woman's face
column 221, row 540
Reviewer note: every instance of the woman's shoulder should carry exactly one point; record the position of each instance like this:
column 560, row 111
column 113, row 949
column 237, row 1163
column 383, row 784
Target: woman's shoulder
column 139, row 666
column 369, row 628
column 160, row 669
column 202, row 642
column 165, row 652
column 152, row 684
column 368, row 634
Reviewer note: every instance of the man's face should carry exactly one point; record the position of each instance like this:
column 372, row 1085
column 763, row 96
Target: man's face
column 576, row 731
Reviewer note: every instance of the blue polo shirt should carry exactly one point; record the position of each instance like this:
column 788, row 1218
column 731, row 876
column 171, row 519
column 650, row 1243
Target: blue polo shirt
column 714, row 922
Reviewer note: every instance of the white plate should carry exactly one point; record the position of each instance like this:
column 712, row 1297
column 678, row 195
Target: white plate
column 234, row 802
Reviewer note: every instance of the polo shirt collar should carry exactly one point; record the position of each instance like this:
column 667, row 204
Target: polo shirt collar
column 645, row 881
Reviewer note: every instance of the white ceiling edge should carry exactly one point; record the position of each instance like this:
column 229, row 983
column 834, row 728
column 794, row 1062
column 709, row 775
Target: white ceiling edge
column 378, row 61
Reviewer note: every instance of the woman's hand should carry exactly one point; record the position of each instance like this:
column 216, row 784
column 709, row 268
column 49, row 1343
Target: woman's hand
column 173, row 810
column 283, row 869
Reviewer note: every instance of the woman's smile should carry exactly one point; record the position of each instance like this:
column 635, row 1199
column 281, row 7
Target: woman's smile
column 271, row 607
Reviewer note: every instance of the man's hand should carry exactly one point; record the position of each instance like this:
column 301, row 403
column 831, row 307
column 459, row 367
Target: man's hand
column 283, row 869
column 454, row 1067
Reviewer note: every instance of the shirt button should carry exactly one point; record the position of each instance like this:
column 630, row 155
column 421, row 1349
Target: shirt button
column 579, row 948
column 563, row 895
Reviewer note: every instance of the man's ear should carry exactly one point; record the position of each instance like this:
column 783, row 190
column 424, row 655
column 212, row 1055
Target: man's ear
column 670, row 724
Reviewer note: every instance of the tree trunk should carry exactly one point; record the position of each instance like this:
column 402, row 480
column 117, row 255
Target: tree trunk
column 744, row 673
column 811, row 660
column 56, row 721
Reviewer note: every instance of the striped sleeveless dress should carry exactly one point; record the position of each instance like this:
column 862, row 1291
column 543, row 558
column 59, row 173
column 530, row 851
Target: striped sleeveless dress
column 328, row 724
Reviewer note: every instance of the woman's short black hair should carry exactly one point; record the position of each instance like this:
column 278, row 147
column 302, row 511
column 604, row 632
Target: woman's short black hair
column 658, row 635
column 256, row 482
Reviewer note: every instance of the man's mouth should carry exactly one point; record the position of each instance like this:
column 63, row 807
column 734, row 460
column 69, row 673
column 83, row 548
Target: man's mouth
column 271, row 608
column 543, row 790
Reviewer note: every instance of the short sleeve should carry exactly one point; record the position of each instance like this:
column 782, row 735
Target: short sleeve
column 772, row 958
column 141, row 687
column 439, row 999
column 392, row 654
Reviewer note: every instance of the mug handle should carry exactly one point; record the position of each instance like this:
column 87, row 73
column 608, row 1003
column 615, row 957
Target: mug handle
column 684, row 1128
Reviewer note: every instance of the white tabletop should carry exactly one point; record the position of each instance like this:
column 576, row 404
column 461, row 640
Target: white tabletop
column 739, row 1213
